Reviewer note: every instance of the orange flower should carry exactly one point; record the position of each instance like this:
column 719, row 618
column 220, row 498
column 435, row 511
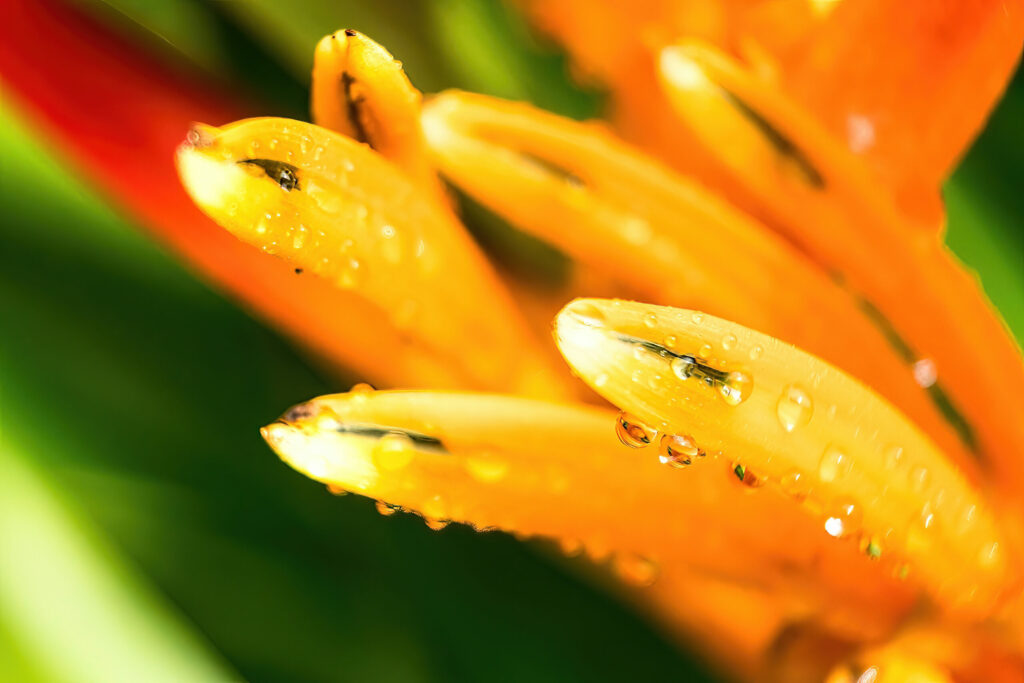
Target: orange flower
column 814, row 470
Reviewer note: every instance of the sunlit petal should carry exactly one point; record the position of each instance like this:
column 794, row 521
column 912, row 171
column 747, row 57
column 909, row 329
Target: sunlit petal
column 335, row 208
column 872, row 474
column 933, row 306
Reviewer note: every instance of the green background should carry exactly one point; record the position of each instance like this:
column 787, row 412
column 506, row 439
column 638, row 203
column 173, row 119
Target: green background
column 145, row 527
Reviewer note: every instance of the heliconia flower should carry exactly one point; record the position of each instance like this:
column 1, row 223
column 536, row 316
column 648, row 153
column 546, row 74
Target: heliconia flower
column 812, row 465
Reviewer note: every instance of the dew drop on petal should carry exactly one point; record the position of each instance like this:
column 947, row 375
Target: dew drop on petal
column 636, row 569
column 893, row 457
column 678, row 450
column 756, row 352
column 435, row 524
column 834, row 465
column 360, row 392
column 683, row 367
column 651, row 320
column 486, row 468
column 632, row 432
column 794, row 408
column 736, row 388
column 705, row 351
column 588, row 314
column 698, row 318
column 336, row 490
column 795, row 485
column 990, row 554
column 745, row 476
column 728, row 342
column 844, row 520
column 385, row 509
column 351, row 273
column 393, row 451
column 571, row 547
column 919, row 479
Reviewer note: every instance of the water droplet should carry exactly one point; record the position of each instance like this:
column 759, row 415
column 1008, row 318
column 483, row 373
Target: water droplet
column 756, row 352
column 745, row 476
column 698, row 318
column 968, row 518
column 360, row 391
column 351, row 273
column 795, row 485
column 736, row 388
column 893, row 457
column 834, row 465
column 678, row 450
column 435, row 524
column 393, row 451
column 636, row 569
column 794, row 408
column 844, row 520
column 588, row 314
column 632, row 432
column 990, row 554
column 390, row 244
column 728, row 342
column 927, row 518
column 433, row 508
column 925, row 373
column 872, row 547
column 705, row 351
column 336, row 490
column 385, row 509
column 683, row 367
column 671, row 342
column 919, row 478
column 651, row 320
column 486, row 467
column 571, row 546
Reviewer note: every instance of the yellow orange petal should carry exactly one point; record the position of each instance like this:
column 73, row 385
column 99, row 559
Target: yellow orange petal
column 922, row 75
column 361, row 91
column 848, row 222
column 669, row 239
column 537, row 468
column 785, row 414
column 336, row 209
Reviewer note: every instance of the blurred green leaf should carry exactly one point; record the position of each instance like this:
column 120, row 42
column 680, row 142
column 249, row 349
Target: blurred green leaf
column 489, row 49
column 78, row 611
column 182, row 26
column 986, row 208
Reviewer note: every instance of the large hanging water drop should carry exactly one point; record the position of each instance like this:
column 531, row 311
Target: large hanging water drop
column 632, row 432
column 678, row 450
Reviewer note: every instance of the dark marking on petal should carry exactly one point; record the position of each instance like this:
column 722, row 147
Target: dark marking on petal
column 353, row 108
column 421, row 440
column 302, row 411
column 350, row 33
column 936, row 393
column 694, row 368
column 780, row 142
column 284, row 174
